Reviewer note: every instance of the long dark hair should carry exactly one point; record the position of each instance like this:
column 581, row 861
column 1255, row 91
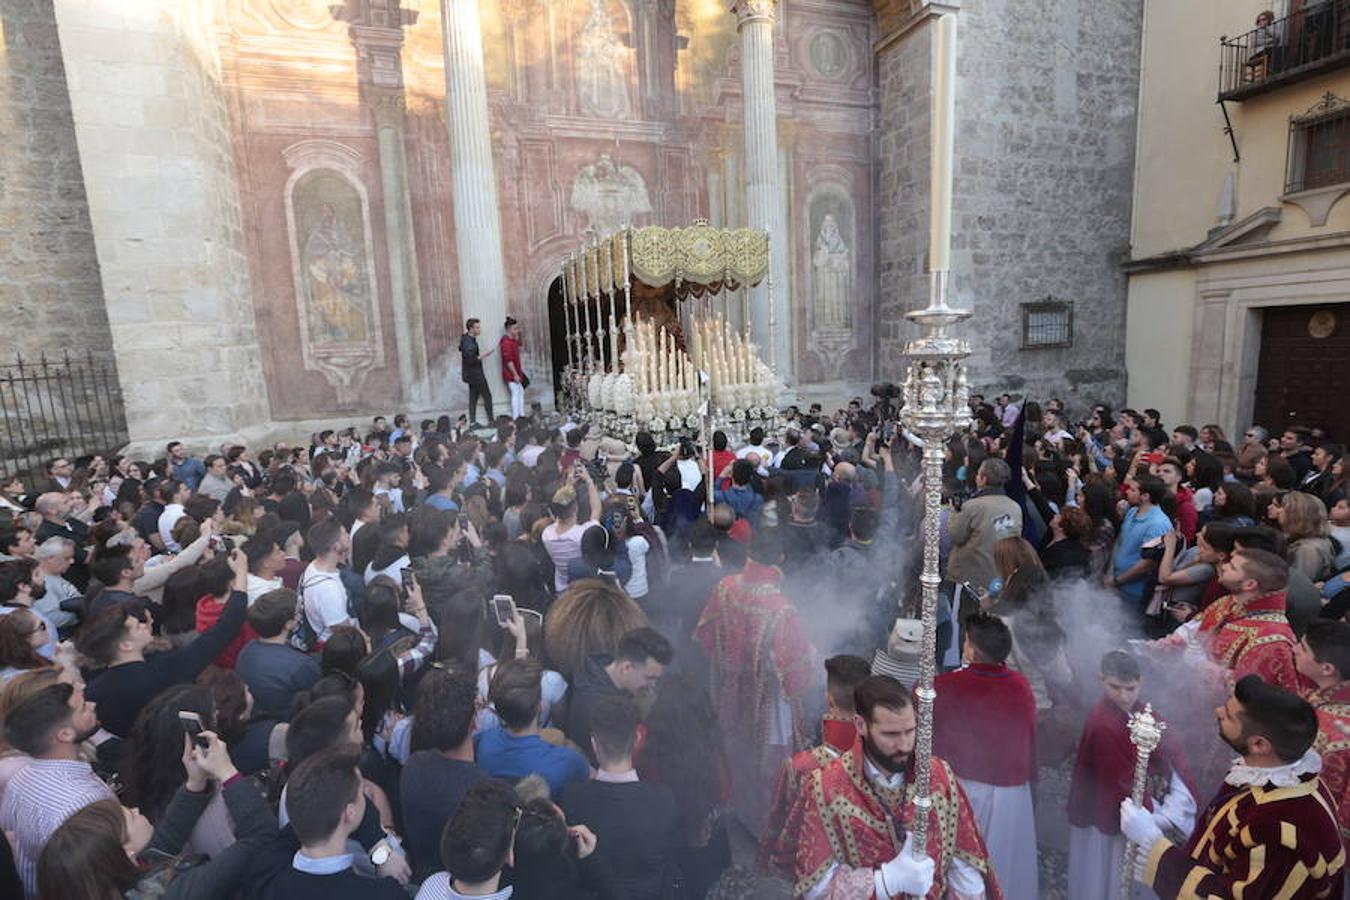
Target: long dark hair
column 152, row 762
column 15, row 650
column 178, row 611
column 231, row 701
column 1099, row 503
column 84, row 858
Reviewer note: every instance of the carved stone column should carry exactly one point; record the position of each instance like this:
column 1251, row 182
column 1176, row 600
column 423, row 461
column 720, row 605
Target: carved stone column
column 377, row 33
column 478, row 224
column 764, row 202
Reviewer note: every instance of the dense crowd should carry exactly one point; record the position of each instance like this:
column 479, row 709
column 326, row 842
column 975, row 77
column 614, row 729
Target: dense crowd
column 527, row 660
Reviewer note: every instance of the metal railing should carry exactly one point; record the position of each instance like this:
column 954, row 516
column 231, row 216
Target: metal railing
column 70, row 406
column 1311, row 40
column 1319, row 152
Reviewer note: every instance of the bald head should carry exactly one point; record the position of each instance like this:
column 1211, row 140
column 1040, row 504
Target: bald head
column 845, row 472
column 51, row 504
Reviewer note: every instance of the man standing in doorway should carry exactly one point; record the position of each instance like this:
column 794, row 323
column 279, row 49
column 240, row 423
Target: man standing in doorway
column 514, row 376
column 472, row 370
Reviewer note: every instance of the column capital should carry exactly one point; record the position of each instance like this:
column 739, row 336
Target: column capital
column 753, row 10
column 388, row 105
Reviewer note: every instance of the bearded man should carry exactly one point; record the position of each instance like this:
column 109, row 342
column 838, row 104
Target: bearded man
column 854, row 816
column 1271, row 830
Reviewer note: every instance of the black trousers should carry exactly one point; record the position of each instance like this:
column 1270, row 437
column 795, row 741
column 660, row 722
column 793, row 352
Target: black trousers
column 478, row 388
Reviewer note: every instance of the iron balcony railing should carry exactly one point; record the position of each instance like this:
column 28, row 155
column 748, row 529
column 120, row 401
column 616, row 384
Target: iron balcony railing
column 1313, row 40
column 68, row 406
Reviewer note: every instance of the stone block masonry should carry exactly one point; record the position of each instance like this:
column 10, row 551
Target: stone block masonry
column 51, row 296
column 155, row 146
column 1046, row 110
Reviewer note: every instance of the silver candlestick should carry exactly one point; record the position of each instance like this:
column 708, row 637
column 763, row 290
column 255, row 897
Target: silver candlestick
column 937, row 397
column 1146, row 733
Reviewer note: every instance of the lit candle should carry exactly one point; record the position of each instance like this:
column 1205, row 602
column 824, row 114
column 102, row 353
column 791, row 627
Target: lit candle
column 943, row 143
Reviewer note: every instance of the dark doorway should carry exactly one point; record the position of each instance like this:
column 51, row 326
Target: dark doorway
column 557, row 334
column 1304, row 373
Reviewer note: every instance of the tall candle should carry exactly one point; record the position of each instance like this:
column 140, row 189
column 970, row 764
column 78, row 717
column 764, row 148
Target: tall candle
column 943, row 143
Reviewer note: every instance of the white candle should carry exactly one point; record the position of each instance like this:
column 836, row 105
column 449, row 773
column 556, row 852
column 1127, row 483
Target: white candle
column 943, row 142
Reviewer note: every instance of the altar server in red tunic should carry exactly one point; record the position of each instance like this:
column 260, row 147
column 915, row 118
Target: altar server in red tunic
column 1271, row 830
column 1323, row 659
column 984, row 726
column 1103, row 776
column 1246, row 632
column 764, row 669
column 838, row 734
column 855, row 817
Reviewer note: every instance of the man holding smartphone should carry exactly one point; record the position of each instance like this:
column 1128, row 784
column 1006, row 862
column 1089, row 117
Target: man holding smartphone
column 562, row 539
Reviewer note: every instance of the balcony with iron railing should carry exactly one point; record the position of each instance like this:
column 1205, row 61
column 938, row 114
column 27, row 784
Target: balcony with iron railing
column 1312, row 41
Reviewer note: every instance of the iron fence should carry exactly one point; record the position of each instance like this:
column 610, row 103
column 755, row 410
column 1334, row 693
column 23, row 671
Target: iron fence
column 51, row 407
column 1297, row 46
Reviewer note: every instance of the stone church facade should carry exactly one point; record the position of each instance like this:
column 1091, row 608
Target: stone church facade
column 256, row 208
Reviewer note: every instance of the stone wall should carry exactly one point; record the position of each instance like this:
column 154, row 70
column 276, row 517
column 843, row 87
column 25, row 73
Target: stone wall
column 1046, row 112
column 51, row 298
column 155, row 147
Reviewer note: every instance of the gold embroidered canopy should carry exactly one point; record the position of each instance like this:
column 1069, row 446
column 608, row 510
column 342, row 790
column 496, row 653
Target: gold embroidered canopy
column 697, row 260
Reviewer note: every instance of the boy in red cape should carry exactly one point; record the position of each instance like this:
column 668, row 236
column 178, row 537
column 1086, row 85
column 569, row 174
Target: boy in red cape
column 838, row 734
column 1103, row 776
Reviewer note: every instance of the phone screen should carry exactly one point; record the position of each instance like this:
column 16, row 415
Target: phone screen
column 504, row 608
column 192, row 724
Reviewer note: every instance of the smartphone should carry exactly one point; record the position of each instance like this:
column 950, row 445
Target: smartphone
column 463, row 523
column 192, row 724
column 406, row 574
column 504, row 608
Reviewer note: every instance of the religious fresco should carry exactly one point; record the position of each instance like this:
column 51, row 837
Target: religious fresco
column 603, row 113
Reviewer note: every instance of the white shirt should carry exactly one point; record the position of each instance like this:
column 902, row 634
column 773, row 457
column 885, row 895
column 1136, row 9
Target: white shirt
column 563, row 547
column 325, row 600
column 258, row 586
column 167, row 519
column 637, row 556
column 394, row 570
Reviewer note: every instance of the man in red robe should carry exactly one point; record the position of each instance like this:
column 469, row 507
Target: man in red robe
column 1271, row 830
column 1246, row 632
column 1103, row 776
column 763, row 671
column 984, row 726
column 838, row 734
column 1323, row 659
column 854, row 817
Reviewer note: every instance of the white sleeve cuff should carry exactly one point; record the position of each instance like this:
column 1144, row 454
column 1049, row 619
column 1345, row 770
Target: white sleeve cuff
column 964, row 879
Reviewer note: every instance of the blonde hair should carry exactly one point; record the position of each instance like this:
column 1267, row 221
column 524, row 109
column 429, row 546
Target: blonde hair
column 1304, row 516
column 589, row 618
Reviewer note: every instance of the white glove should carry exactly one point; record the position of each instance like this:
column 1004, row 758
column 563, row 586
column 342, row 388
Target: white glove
column 908, row 873
column 1138, row 825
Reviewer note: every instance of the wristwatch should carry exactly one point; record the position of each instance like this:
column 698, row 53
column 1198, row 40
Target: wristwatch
column 380, row 853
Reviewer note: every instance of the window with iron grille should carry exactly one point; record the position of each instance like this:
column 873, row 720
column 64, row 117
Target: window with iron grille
column 1319, row 149
column 1047, row 323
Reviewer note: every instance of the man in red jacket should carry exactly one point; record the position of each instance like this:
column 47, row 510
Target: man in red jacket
column 512, row 373
column 984, row 726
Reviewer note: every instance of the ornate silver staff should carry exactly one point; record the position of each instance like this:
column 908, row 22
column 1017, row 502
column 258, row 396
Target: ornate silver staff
column 1145, row 733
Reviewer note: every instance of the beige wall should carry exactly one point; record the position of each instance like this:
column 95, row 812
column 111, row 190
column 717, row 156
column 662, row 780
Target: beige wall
column 1184, row 156
column 1158, row 341
column 1194, row 320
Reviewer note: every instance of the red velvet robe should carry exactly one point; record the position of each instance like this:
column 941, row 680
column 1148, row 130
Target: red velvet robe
column 842, row 818
column 758, row 651
column 1256, row 842
column 1103, row 773
column 779, row 849
column 1252, row 638
column 984, row 724
column 1333, row 744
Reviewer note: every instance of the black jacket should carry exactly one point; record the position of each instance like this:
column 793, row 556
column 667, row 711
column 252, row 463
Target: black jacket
column 589, row 686
column 472, row 364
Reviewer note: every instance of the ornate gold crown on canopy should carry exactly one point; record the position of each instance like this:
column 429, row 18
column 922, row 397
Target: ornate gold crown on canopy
column 699, row 259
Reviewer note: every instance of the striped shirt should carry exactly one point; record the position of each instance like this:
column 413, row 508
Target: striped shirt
column 38, row 800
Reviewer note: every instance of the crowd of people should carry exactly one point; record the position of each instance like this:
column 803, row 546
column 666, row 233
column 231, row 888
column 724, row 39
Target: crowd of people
column 526, row 660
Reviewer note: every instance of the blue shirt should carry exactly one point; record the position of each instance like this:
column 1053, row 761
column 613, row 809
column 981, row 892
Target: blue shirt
column 743, row 500
column 504, row 755
column 1135, row 532
column 190, row 471
column 440, row 501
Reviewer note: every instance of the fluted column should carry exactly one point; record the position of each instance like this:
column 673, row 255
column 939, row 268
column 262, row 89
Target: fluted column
column 478, row 223
column 764, row 202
